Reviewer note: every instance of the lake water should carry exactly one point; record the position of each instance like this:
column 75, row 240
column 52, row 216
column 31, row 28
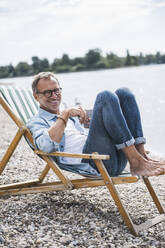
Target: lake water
column 147, row 82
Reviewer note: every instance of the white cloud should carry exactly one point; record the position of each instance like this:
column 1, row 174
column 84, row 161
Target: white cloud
column 49, row 28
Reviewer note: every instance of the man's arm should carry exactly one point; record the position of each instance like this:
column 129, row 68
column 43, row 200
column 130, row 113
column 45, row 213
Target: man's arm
column 39, row 130
column 47, row 138
column 56, row 131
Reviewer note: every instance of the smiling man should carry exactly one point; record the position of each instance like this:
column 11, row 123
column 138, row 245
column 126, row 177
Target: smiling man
column 115, row 129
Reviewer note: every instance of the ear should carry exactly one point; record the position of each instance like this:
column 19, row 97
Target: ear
column 35, row 96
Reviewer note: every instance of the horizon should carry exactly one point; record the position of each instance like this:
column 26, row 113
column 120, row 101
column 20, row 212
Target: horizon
column 51, row 28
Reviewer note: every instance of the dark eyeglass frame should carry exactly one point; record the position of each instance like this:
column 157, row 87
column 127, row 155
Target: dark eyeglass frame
column 49, row 93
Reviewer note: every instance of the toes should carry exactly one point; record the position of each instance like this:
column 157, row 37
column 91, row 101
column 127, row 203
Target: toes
column 160, row 171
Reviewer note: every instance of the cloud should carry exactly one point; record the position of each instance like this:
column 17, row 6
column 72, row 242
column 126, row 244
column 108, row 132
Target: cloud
column 48, row 28
column 21, row 12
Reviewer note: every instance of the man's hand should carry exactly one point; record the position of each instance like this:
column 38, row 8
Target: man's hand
column 78, row 111
column 87, row 122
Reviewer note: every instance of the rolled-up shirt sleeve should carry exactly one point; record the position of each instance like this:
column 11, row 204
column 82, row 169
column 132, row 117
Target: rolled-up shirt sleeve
column 42, row 140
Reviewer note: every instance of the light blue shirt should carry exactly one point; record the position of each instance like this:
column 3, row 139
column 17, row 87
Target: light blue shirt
column 39, row 125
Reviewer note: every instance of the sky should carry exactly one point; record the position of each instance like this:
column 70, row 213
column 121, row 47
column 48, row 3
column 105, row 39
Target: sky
column 51, row 28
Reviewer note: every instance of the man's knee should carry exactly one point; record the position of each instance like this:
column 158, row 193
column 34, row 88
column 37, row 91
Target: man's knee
column 124, row 93
column 106, row 95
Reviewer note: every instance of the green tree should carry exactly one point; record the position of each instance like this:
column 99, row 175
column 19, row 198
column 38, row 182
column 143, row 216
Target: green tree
column 11, row 71
column 36, row 65
column 45, row 65
column 114, row 61
column 62, row 68
column 92, row 57
column 163, row 59
column 150, row 59
column 141, row 59
column 22, row 69
column 128, row 59
column 158, row 58
column 134, row 60
column 65, row 60
column 55, row 64
column 78, row 67
column 78, row 60
column 101, row 64
column 4, row 72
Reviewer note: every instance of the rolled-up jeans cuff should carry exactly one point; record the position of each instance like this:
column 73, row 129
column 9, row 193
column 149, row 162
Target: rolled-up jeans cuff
column 125, row 144
column 140, row 140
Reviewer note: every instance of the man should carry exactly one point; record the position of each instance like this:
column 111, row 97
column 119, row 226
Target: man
column 115, row 129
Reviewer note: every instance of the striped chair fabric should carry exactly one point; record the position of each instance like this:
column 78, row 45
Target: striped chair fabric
column 20, row 100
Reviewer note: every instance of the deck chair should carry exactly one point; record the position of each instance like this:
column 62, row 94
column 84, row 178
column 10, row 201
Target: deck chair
column 20, row 106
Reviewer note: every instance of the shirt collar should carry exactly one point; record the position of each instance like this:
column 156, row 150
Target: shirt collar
column 49, row 116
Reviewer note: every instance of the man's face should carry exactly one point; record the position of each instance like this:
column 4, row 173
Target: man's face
column 52, row 103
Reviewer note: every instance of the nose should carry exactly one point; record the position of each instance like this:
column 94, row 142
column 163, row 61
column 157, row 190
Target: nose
column 54, row 94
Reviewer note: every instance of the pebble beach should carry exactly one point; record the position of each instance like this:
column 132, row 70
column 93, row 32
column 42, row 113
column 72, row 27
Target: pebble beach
column 78, row 218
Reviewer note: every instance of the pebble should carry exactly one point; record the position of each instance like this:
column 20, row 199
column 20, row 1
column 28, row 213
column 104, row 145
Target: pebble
column 2, row 240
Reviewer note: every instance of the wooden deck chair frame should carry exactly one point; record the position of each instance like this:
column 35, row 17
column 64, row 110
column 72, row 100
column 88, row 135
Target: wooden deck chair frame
column 65, row 183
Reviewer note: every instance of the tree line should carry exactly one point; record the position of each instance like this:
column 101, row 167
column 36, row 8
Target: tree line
column 93, row 60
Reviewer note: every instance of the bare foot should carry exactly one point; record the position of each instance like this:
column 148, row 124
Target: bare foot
column 141, row 150
column 145, row 168
column 141, row 166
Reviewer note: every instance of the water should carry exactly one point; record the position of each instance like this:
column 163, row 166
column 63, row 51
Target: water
column 147, row 82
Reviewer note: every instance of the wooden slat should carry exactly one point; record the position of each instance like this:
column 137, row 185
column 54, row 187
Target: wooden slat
column 150, row 222
column 74, row 155
column 122, row 180
column 44, row 173
column 50, row 186
column 19, row 185
column 153, row 195
column 77, row 183
column 32, row 190
column 58, row 172
column 11, row 148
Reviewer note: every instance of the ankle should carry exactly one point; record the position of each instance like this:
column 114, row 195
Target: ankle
column 132, row 154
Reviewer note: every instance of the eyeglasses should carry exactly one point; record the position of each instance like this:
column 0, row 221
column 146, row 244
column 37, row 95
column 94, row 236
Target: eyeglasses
column 49, row 93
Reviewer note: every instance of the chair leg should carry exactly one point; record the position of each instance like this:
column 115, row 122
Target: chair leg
column 109, row 184
column 11, row 149
column 61, row 176
column 153, row 195
column 135, row 229
column 44, row 173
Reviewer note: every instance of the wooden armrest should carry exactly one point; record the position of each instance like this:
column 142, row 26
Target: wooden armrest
column 73, row 155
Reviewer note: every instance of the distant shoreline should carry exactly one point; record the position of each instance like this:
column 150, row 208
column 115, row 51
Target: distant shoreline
column 92, row 60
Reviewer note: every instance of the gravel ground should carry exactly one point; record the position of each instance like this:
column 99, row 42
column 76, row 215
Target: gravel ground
column 78, row 218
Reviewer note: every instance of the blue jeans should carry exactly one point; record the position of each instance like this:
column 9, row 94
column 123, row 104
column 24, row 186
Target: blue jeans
column 115, row 124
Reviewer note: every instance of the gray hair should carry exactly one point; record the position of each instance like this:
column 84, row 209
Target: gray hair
column 41, row 75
